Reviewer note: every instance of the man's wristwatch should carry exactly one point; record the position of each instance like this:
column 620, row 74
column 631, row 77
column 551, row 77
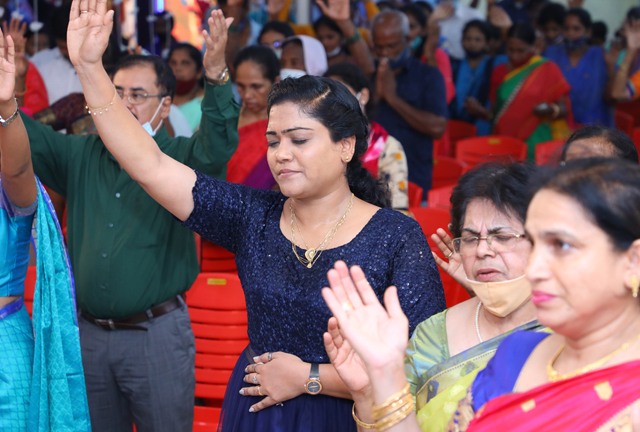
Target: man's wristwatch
column 224, row 77
column 11, row 118
column 314, row 386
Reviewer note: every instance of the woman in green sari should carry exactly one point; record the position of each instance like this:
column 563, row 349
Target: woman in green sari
column 529, row 94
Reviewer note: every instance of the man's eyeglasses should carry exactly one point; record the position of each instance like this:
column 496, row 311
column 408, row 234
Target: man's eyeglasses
column 136, row 97
column 498, row 243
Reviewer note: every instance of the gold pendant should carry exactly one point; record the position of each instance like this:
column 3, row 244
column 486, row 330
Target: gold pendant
column 309, row 265
column 310, row 254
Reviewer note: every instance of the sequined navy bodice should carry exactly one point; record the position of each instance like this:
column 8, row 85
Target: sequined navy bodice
column 284, row 303
column 15, row 234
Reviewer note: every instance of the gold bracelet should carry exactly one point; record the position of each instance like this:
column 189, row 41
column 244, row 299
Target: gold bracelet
column 360, row 422
column 390, row 401
column 380, row 413
column 105, row 107
column 395, row 418
column 556, row 111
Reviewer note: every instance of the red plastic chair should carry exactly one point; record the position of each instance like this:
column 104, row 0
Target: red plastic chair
column 440, row 198
column 549, row 152
column 446, row 172
column 219, row 320
column 430, row 219
column 29, row 288
column 459, row 130
column 415, row 195
column 624, row 122
column 215, row 258
column 473, row 150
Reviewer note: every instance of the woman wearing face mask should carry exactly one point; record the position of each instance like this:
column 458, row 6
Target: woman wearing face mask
column 488, row 256
column 585, row 69
column 257, row 70
column 329, row 209
column 332, row 38
column 584, row 271
column 186, row 62
column 529, row 95
column 551, row 23
column 385, row 158
column 302, row 55
column 472, row 76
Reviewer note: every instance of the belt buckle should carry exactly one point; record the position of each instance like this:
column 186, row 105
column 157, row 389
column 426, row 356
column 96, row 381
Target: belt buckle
column 108, row 322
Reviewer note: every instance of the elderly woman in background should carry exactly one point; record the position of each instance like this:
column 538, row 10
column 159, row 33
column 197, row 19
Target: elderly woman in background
column 302, row 55
column 385, row 158
column 257, row 70
column 584, row 268
column 488, row 256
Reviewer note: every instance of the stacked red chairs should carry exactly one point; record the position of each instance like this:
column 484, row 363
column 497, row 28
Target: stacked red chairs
column 474, row 150
column 459, row 130
column 624, row 122
column 430, row 219
column 415, row 195
column 549, row 152
column 440, row 198
column 214, row 258
column 219, row 320
column 446, row 172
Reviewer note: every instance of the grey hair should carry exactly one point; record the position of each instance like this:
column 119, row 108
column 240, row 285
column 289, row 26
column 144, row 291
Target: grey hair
column 392, row 15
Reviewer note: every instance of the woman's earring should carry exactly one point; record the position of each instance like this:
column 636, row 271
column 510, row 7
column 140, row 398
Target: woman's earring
column 635, row 286
column 348, row 159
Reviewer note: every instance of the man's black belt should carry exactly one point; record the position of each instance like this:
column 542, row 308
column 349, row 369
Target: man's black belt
column 131, row 323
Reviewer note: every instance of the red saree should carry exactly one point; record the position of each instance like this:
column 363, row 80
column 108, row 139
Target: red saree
column 597, row 401
column 252, row 148
column 516, row 93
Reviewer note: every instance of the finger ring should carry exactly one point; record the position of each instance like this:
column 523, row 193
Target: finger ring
column 347, row 306
column 279, row 404
column 269, row 356
column 84, row 12
column 255, row 379
column 450, row 255
column 259, row 392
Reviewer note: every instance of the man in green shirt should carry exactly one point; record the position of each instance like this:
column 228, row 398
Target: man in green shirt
column 131, row 258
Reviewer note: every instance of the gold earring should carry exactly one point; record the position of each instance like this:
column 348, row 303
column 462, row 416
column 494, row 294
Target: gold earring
column 635, row 286
column 348, row 158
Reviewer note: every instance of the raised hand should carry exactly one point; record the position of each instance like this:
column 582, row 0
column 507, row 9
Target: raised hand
column 16, row 31
column 214, row 57
column 7, row 68
column 443, row 11
column 454, row 265
column 633, row 36
column 345, row 360
column 337, row 10
column 378, row 336
column 499, row 17
column 88, row 33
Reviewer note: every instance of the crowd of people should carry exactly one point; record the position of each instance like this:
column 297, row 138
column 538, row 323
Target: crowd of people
column 276, row 133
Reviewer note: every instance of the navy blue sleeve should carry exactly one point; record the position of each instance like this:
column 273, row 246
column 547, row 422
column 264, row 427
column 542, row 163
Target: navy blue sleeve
column 434, row 93
column 223, row 212
column 417, row 278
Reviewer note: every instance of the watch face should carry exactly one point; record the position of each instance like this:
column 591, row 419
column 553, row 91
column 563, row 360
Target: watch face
column 314, row 387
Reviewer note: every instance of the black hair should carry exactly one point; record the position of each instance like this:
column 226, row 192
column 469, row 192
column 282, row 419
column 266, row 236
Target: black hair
column 415, row 11
column 524, row 32
column 333, row 105
column 262, row 56
column 354, row 77
column 552, row 12
column 495, row 32
column 386, row 4
column 633, row 14
column 165, row 79
column 193, row 52
column 60, row 21
column 276, row 26
column 480, row 25
column 623, row 146
column 507, row 185
column 427, row 9
column 292, row 40
column 607, row 189
column 327, row 22
column 599, row 30
column 583, row 16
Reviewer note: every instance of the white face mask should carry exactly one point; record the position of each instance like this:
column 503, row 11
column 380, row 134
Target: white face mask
column 291, row 73
column 359, row 101
column 502, row 298
column 147, row 125
column 337, row 50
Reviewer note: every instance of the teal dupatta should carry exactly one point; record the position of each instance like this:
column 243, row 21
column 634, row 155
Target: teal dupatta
column 58, row 394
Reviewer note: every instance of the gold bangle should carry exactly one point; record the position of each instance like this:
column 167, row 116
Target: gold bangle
column 104, row 107
column 556, row 111
column 393, row 399
column 381, row 413
column 395, row 418
column 360, row 422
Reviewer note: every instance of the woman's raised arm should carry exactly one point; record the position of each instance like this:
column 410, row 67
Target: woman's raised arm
column 16, row 170
column 166, row 180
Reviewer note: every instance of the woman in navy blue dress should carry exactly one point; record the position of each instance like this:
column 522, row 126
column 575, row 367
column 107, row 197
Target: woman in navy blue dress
column 329, row 208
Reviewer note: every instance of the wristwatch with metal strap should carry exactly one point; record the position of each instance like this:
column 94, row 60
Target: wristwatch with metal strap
column 224, row 77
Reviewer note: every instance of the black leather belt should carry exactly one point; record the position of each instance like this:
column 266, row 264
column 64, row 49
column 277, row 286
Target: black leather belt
column 131, row 323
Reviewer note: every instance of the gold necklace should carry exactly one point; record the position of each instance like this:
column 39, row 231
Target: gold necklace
column 312, row 254
column 555, row 376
